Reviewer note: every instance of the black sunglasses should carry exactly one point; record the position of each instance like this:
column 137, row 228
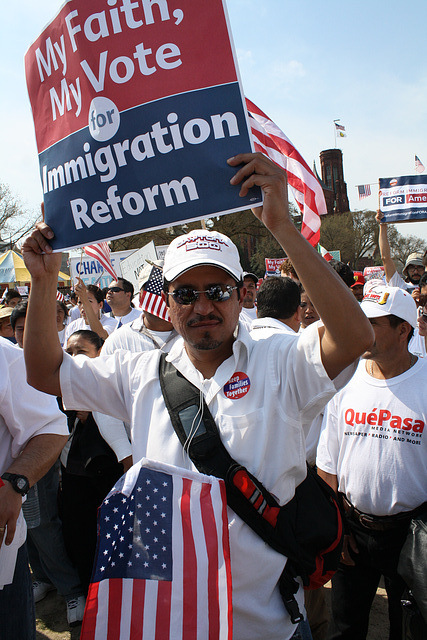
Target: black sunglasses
column 114, row 290
column 216, row 293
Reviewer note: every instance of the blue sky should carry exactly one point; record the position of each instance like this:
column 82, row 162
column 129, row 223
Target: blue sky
column 304, row 63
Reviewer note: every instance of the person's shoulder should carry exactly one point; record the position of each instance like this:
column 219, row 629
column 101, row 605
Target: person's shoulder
column 10, row 351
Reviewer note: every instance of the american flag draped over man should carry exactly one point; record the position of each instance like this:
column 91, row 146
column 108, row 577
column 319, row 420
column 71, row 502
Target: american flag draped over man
column 163, row 563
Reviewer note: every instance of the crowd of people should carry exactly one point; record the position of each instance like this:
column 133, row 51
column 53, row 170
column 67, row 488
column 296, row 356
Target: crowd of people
column 329, row 368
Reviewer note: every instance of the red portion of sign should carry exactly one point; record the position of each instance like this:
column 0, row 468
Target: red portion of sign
column 131, row 52
column 238, row 386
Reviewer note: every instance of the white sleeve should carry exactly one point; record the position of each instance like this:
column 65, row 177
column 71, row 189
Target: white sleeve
column 114, row 433
column 306, row 376
column 98, row 384
column 25, row 411
column 328, row 447
column 397, row 281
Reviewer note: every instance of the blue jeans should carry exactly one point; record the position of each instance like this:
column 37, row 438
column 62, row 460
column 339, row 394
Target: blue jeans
column 17, row 614
column 46, row 549
column 303, row 631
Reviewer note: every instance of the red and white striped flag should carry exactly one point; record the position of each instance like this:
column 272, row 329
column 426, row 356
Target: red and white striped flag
column 163, row 564
column 325, row 253
column 101, row 252
column 59, row 296
column 307, row 191
column 419, row 167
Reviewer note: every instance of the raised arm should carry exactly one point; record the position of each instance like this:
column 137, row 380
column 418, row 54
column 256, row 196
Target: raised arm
column 347, row 332
column 91, row 315
column 384, row 246
column 42, row 349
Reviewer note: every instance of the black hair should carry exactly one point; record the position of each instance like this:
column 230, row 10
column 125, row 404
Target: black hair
column 423, row 280
column 128, row 288
column 278, row 298
column 90, row 336
column 395, row 321
column 344, row 271
column 12, row 293
column 20, row 311
column 63, row 307
column 96, row 292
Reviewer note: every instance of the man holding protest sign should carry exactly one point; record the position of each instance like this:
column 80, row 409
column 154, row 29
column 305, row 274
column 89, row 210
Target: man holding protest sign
column 283, row 382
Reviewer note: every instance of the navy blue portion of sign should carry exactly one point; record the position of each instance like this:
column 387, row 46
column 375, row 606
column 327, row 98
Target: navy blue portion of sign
column 405, row 215
column 135, row 532
column 388, row 183
column 166, row 164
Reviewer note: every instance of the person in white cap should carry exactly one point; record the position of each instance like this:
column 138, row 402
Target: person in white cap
column 373, row 451
column 261, row 393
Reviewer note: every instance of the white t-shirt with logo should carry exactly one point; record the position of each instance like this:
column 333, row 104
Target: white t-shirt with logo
column 373, row 439
column 262, row 398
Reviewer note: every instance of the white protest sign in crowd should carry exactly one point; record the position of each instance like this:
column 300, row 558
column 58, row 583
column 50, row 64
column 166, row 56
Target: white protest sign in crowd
column 137, row 106
column 92, row 272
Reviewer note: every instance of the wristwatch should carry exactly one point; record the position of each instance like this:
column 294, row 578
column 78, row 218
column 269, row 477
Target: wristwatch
column 18, row 482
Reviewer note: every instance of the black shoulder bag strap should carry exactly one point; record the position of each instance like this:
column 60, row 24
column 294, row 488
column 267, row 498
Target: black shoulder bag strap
column 198, row 434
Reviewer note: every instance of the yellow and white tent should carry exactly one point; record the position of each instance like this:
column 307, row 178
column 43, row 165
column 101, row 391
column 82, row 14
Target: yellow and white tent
column 14, row 271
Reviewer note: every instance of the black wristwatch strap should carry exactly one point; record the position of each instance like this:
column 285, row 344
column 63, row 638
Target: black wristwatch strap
column 19, row 482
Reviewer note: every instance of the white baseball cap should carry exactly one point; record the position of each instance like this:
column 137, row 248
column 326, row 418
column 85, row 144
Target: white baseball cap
column 201, row 247
column 380, row 300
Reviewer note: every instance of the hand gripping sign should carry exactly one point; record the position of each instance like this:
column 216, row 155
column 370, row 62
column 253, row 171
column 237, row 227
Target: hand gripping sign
column 137, row 105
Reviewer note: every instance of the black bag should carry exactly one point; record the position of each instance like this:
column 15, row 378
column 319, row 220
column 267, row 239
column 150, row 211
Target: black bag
column 413, row 566
column 308, row 529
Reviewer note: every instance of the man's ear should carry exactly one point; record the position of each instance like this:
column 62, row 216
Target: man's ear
column 404, row 329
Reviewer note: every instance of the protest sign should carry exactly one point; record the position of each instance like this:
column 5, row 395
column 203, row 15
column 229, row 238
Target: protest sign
column 272, row 266
column 373, row 273
column 91, row 272
column 137, row 106
column 403, row 199
column 132, row 266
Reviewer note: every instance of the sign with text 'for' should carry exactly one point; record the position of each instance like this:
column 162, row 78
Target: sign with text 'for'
column 137, row 105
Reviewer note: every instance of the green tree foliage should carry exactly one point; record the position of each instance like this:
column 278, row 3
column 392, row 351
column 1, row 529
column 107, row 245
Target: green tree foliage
column 355, row 234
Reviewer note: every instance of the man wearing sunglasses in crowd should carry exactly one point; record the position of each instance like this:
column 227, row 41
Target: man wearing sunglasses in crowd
column 119, row 297
column 262, row 394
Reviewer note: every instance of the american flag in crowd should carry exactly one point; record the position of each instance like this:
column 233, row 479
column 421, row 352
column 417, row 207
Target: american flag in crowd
column 419, row 167
column 59, row 296
column 101, row 252
column 150, row 298
column 364, row 190
column 162, row 570
column 308, row 193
